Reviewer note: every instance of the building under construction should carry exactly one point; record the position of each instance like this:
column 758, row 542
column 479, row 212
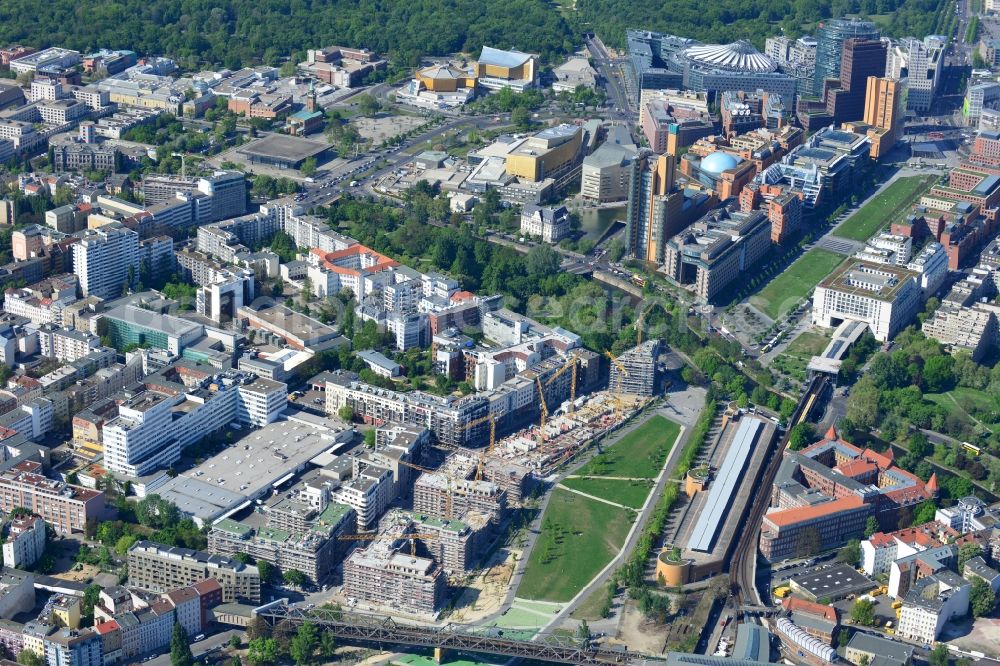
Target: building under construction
column 514, row 478
column 389, row 575
column 529, row 386
column 637, row 370
column 451, row 498
column 454, row 544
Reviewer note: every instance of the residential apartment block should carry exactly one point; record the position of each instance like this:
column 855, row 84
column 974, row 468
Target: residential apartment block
column 25, row 542
column 160, row 568
column 67, row 508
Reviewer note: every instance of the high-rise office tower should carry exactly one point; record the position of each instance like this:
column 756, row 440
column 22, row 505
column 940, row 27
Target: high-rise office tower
column 884, row 110
column 830, row 45
column 653, row 206
column 861, row 59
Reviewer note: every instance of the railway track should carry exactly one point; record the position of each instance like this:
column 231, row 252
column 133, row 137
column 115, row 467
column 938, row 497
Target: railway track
column 743, row 566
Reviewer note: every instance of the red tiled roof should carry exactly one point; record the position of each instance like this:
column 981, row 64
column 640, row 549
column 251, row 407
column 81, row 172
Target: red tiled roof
column 786, row 517
column 856, row 468
column 106, row 627
column 796, row 605
column 883, row 460
column 207, row 586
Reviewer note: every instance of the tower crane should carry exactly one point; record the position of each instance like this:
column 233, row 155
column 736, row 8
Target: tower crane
column 544, row 408
column 487, row 450
column 570, row 365
column 619, row 405
column 448, row 500
column 618, row 364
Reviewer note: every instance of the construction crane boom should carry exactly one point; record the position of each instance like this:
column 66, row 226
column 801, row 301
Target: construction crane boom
column 618, row 364
column 416, row 467
column 570, row 365
column 541, row 403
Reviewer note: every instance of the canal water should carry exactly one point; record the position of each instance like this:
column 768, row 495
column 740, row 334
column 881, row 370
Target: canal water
column 595, row 222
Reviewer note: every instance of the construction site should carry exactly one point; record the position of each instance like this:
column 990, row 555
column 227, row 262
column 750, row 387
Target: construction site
column 460, row 506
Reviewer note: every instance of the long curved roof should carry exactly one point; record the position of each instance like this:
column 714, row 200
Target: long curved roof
column 739, row 56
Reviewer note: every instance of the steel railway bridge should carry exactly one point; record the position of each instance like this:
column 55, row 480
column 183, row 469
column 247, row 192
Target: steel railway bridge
column 382, row 631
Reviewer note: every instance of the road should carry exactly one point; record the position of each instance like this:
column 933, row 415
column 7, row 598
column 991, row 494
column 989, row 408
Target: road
column 611, row 77
column 200, row 648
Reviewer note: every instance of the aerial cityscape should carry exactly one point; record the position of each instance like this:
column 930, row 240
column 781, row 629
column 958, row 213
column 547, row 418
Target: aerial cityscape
column 578, row 332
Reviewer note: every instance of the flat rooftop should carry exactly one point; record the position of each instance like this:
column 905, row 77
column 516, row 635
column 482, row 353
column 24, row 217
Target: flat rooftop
column 281, row 147
column 733, row 508
column 720, row 495
column 250, row 467
column 834, row 583
column 294, row 323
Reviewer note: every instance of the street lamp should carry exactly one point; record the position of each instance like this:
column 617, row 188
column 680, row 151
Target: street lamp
column 180, row 155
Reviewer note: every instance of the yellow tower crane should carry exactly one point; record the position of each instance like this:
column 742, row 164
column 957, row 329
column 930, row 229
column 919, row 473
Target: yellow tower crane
column 448, row 499
column 570, row 365
column 618, row 364
column 544, row 408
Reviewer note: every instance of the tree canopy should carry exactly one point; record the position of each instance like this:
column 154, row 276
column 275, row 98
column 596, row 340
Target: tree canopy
column 180, row 647
column 236, row 33
column 982, row 598
column 863, row 612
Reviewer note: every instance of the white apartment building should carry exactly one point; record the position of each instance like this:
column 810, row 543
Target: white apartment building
column 152, row 428
column 62, row 111
column 932, row 602
column 23, row 303
column 66, row 345
column 229, row 291
column 261, row 402
column 103, row 258
column 47, row 89
column 887, row 249
column 411, row 331
column 26, row 542
column 92, row 97
column 881, row 549
column 931, row 263
column 884, row 297
column 368, row 492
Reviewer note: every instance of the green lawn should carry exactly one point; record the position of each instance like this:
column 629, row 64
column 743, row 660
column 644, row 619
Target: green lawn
column 799, row 351
column 632, row 494
column 590, row 609
column 968, row 402
column 579, row 536
column 890, row 204
column 639, row 454
column 783, row 292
